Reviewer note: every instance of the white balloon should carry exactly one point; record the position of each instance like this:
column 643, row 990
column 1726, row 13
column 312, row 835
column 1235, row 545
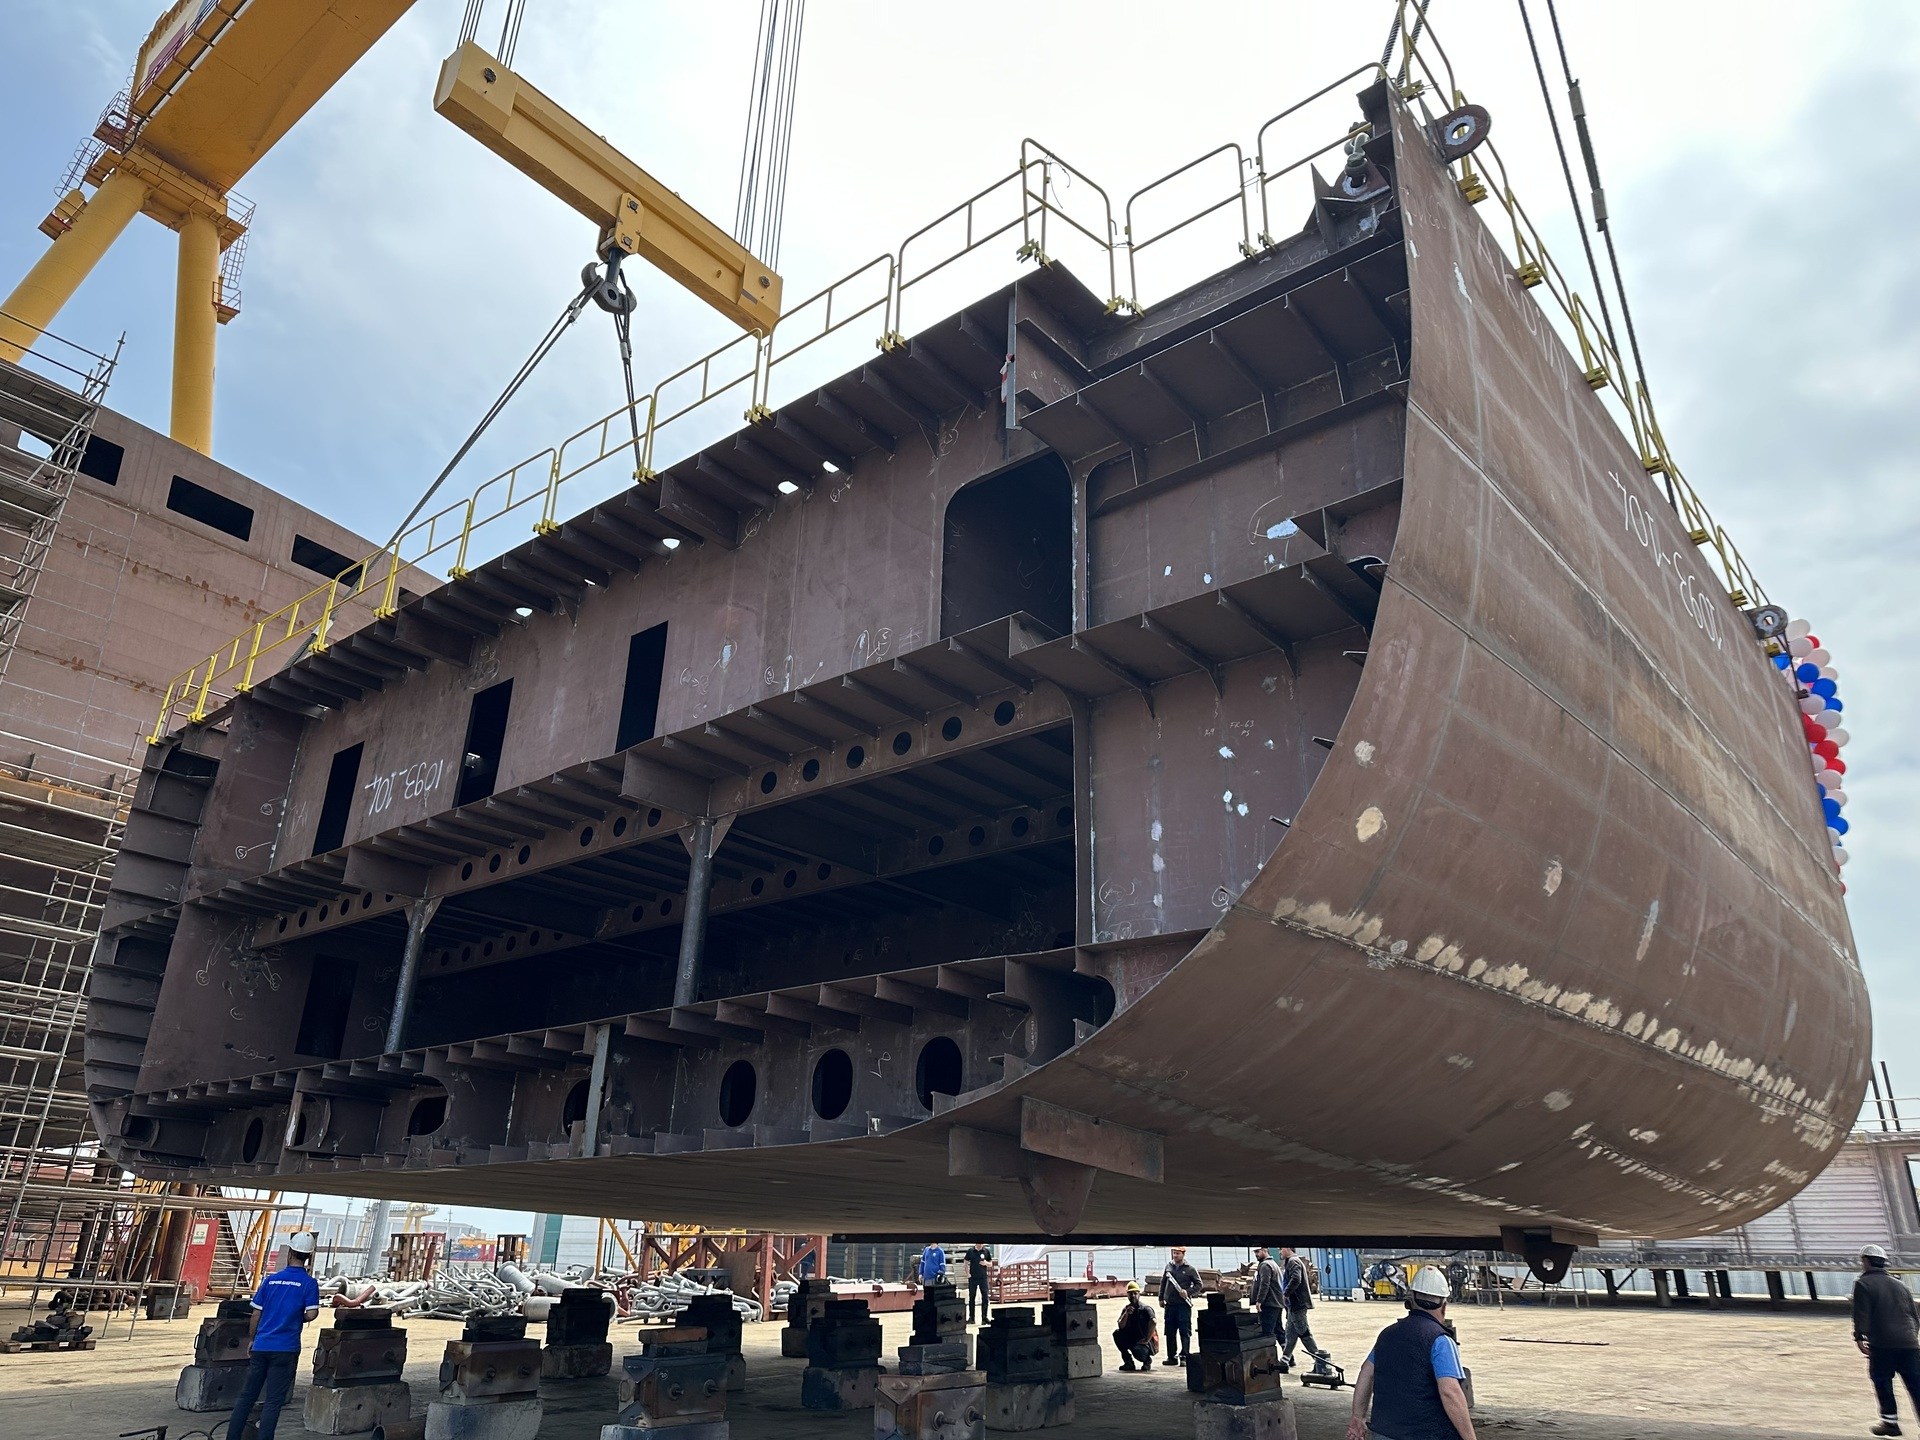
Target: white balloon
column 1812, row 705
column 1828, row 720
column 1798, row 629
column 1838, row 796
column 1836, row 836
column 1819, row 657
column 1840, row 857
column 1827, row 672
column 1828, row 778
column 1800, row 648
column 1839, row 736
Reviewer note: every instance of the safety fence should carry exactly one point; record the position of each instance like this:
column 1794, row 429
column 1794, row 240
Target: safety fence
column 1045, row 199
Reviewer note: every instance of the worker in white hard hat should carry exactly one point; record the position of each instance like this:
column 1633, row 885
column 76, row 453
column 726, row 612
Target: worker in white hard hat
column 1410, row 1389
column 1886, row 1327
column 284, row 1303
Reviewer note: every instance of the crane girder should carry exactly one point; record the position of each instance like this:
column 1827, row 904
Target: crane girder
column 637, row 215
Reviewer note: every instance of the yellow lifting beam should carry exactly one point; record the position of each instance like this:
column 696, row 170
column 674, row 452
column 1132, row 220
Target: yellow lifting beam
column 637, row 215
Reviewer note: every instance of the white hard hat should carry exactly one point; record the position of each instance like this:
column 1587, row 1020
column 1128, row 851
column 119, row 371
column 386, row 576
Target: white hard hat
column 1873, row 1252
column 304, row 1243
column 1431, row 1282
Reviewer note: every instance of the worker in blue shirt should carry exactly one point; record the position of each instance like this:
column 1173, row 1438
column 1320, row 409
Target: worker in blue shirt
column 285, row 1301
column 1412, row 1375
column 933, row 1264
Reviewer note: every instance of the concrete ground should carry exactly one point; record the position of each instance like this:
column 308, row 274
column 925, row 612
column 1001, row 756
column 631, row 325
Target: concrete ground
column 1643, row 1375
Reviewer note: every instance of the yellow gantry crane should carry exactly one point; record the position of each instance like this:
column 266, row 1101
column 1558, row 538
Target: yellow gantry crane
column 216, row 85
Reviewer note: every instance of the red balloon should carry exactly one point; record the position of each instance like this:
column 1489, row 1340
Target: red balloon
column 1838, row 766
column 1813, row 642
column 1828, row 749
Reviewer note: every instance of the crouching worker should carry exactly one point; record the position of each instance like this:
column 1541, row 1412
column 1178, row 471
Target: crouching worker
column 1412, row 1376
column 1138, row 1335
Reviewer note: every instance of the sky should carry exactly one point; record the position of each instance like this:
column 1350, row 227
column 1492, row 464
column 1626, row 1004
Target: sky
column 1758, row 170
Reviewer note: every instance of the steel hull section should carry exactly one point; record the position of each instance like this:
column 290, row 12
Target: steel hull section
column 1552, row 941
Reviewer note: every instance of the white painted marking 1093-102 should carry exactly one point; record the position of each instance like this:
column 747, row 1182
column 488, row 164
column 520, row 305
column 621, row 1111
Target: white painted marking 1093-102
column 421, row 778
column 1688, row 587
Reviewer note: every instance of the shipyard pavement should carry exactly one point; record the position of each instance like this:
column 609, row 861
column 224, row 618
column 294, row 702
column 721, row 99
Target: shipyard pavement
column 1650, row 1375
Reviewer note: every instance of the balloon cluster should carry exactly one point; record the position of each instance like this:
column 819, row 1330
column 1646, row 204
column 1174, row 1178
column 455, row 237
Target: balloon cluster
column 1807, row 664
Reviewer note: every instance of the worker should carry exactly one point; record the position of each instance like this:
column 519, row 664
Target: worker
column 933, row 1264
column 1179, row 1286
column 285, row 1301
column 1412, row 1375
column 1269, row 1285
column 1138, row 1334
column 978, row 1257
column 1886, row 1327
column 1296, row 1295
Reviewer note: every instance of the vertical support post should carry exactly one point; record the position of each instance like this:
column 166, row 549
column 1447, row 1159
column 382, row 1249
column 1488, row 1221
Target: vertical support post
column 376, row 1236
column 1662, row 1295
column 37, row 299
column 596, row 1089
column 1776, row 1290
column 1711, row 1279
column 1680, row 1285
column 1725, row 1279
column 1813, row 1291
column 195, row 324
column 419, row 916
column 693, row 922
column 1613, row 1285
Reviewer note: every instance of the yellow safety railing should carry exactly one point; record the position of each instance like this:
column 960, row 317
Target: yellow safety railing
column 1028, row 199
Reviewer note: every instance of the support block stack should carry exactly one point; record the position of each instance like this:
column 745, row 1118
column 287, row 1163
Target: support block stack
column 357, row 1366
column 674, row 1389
column 1027, row 1385
column 1075, row 1327
column 716, row 1315
column 843, row 1358
column 219, row 1368
column 489, row 1383
column 808, row 1304
column 935, row 1396
column 577, row 1345
column 1236, row 1374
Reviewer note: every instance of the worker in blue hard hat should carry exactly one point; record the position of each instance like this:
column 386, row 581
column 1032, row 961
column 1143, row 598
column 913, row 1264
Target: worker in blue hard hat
column 284, row 1303
column 1410, row 1388
column 1886, row 1327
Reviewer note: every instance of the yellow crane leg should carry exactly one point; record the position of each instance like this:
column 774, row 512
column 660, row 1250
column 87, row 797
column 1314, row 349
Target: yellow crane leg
column 37, row 299
column 194, row 328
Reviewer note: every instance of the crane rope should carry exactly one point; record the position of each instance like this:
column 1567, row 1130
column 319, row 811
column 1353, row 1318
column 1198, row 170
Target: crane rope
column 520, row 377
column 1566, row 171
column 1579, row 109
column 1420, row 9
column 760, row 206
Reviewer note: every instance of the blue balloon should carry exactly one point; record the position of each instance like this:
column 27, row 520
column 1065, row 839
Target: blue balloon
column 1831, row 806
column 1825, row 689
column 1833, row 703
column 1782, row 661
column 1806, row 673
column 1836, row 823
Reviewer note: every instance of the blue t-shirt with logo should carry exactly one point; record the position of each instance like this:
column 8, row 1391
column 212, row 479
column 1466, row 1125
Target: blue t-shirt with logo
column 283, row 1299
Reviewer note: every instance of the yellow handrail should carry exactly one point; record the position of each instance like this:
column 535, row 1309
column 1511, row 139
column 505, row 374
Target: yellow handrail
column 367, row 597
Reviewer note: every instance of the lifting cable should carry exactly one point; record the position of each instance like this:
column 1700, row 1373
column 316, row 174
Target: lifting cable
column 1420, row 9
column 759, row 211
column 1579, row 109
column 1566, row 170
column 527, row 367
column 509, row 28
